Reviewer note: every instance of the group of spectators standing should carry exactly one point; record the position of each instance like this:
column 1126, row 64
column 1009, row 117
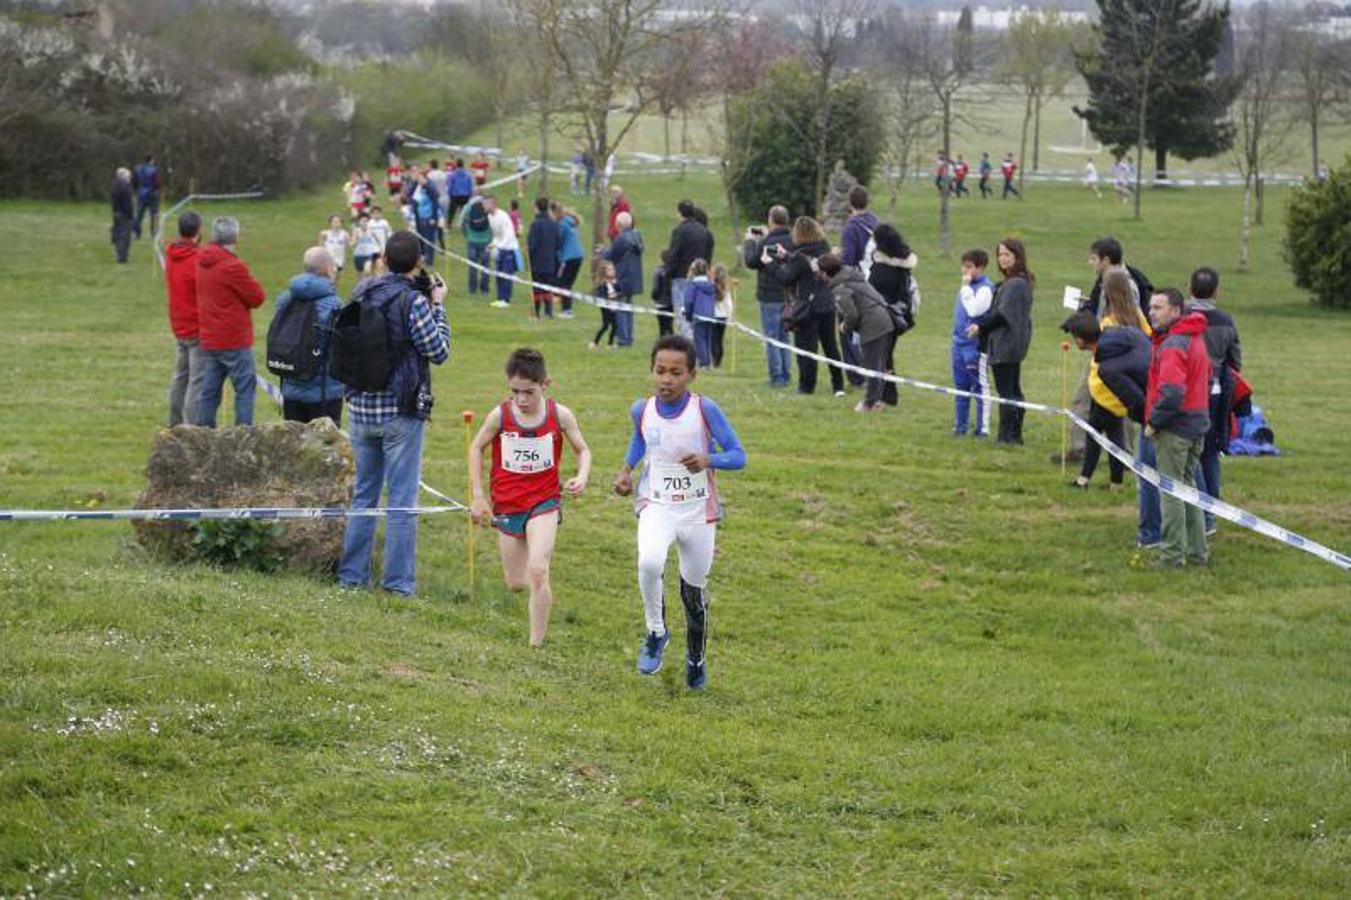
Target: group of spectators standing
column 1169, row 365
column 212, row 296
column 865, row 294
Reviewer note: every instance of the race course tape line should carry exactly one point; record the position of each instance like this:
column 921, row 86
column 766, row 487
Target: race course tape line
column 194, row 515
column 163, row 217
column 1164, row 483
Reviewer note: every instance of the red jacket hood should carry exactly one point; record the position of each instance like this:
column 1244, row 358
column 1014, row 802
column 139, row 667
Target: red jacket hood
column 1191, row 323
column 180, row 250
column 215, row 254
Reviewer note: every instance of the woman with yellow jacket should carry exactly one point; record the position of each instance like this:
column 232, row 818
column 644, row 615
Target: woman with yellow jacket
column 1118, row 373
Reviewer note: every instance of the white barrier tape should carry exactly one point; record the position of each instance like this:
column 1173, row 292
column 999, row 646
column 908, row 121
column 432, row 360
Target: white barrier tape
column 163, row 217
column 1193, row 497
column 1187, row 494
column 192, row 515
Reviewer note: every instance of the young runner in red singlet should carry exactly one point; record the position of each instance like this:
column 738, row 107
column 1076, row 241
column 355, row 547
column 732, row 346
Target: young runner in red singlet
column 526, row 433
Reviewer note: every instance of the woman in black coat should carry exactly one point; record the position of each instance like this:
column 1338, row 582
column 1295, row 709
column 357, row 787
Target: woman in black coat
column 1008, row 334
column 893, row 276
column 794, row 268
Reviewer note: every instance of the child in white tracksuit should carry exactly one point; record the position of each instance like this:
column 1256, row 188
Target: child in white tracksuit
column 677, row 498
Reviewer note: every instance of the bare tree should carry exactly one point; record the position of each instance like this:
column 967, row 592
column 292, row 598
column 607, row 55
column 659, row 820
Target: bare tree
column 1322, row 71
column 496, row 57
column 1264, row 45
column 604, row 52
column 912, row 109
column 949, row 60
column 752, row 47
column 678, row 80
column 1039, row 56
column 829, row 29
column 535, row 18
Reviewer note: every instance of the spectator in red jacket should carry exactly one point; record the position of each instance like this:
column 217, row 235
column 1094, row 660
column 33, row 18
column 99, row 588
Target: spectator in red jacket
column 618, row 204
column 180, row 275
column 226, row 296
column 1177, row 417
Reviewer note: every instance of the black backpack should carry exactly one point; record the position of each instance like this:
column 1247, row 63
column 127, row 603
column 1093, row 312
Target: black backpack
column 293, row 349
column 359, row 355
column 478, row 217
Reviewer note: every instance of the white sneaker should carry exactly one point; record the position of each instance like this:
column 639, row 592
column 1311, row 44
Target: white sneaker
column 500, row 304
column 839, row 393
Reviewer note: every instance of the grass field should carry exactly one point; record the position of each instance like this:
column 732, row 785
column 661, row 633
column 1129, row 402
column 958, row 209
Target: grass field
column 990, row 119
column 933, row 668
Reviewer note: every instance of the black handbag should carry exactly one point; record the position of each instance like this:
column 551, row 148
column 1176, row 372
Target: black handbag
column 795, row 313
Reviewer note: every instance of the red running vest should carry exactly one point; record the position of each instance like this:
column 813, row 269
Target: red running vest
column 525, row 462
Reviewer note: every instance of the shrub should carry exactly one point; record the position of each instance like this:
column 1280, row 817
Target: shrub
column 772, row 132
column 1317, row 223
column 427, row 94
column 240, row 543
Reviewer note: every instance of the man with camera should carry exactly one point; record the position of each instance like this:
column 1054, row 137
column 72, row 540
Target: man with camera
column 387, row 425
column 769, row 292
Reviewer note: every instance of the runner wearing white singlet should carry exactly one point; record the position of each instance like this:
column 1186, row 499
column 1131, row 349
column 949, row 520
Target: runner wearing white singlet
column 335, row 240
column 677, row 498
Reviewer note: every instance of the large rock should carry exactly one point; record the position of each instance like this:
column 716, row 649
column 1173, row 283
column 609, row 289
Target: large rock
column 835, row 205
column 285, row 464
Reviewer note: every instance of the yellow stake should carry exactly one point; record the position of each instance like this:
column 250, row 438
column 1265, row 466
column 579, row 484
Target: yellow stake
column 1064, row 403
column 731, row 321
column 468, row 417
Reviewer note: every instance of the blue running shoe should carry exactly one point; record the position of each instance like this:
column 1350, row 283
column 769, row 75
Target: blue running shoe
column 696, row 674
column 649, row 652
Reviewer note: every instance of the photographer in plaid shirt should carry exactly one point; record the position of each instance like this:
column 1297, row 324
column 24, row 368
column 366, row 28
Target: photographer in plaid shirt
column 387, row 426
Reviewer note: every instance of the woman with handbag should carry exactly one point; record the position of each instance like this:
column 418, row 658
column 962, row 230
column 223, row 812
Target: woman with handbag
column 893, row 276
column 809, row 311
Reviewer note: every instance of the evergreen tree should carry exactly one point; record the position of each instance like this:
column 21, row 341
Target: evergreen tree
column 1152, row 77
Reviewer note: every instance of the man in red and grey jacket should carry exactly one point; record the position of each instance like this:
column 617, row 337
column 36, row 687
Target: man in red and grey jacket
column 1177, row 417
column 180, row 277
column 227, row 295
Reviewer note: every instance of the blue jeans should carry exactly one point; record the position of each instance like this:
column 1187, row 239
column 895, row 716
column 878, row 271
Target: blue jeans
column 703, row 344
column 780, row 360
column 478, row 278
column 506, row 265
column 1151, row 527
column 1208, row 478
column 426, row 229
column 217, row 365
column 624, row 323
column 389, row 453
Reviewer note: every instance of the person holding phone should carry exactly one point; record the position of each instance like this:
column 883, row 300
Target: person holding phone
column 769, row 292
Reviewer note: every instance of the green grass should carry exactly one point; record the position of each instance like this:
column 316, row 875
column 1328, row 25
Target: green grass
column 933, row 669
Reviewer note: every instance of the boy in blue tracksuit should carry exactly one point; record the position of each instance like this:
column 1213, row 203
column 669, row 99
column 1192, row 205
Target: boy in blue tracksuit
column 970, row 371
